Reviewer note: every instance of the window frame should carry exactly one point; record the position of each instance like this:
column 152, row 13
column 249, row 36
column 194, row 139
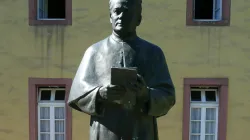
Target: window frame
column 33, row 15
column 222, row 84
column 225, row 15
column 34, row 84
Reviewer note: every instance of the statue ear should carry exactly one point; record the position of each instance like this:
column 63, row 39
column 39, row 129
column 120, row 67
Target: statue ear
column 110, row 20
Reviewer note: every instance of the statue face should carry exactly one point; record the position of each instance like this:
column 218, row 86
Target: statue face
column 123, row 16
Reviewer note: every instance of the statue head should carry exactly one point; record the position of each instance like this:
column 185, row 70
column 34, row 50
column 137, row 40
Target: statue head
column 125, row 15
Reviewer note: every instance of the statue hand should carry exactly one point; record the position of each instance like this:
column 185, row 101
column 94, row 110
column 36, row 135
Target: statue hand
column 140, row 88
column 112, row 93
column 137, row 92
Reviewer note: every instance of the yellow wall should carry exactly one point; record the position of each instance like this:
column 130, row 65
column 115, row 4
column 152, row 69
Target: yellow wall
column 54, row 52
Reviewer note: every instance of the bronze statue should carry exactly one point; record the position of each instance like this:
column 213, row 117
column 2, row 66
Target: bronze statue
column 127, row 111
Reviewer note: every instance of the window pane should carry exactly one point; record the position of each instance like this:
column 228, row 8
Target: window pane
column 45, row 126
column 59, row 136
column 203, row 9
column 195, row 126
column 60, row 95
column 195, row 95
column 210, row 137
column 210, row 127
column 195, row 137
column 210, row 96
column 44, row 113
column 45, row 94
column 59, row 126
column 59, row 112
column 45, row 137
column 195, row 113
column 211, row 114
column 60, row 7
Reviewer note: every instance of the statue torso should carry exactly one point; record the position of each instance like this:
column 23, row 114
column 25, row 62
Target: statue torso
column 113, row 53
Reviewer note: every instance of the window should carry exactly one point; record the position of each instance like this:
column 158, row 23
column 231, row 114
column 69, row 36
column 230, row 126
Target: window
column 205, row 108
column 50, row 12
column 51, row 114
column 203, row 114
column 207, row 9
column 208, row 12
column 47, row 10
column 50, row 117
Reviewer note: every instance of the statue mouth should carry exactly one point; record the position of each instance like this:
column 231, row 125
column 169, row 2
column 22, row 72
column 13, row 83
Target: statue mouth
column 119, row 23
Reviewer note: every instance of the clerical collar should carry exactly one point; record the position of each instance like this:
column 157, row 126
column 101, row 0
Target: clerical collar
column 130, row 38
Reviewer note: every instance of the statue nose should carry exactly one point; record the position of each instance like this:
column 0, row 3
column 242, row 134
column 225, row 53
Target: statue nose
column 121, row 15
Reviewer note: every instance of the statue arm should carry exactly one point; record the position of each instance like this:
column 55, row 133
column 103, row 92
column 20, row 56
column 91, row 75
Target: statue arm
column 84, row 93
column 91, row 104
column 161, row 89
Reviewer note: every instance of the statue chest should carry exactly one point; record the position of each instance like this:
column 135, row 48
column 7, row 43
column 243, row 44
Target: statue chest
column 117, row 55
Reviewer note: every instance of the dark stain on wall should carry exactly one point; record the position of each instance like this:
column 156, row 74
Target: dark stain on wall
column 246, row 118
column 7, row 131
column 2, row 113
column 49, row 35
column 208, row 45
column 62, row 49
column 218, row 31
column 45, row 43
column 41, row 38
column 57, row 37
column 212, row 37
column 36, row 36
column 11, row 89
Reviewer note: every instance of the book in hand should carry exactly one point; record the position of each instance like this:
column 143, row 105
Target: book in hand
column 122, row 76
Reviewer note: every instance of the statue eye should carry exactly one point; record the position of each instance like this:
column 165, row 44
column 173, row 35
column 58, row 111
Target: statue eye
column 116, row 11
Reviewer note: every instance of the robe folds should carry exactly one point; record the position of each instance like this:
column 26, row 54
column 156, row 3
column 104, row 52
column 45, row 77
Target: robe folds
column 111, row 121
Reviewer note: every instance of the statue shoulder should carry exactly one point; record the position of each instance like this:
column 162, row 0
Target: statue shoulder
column 93, row 49
column 151, row 47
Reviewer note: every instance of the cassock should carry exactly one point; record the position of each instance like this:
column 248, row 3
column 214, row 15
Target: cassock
column 110, row 121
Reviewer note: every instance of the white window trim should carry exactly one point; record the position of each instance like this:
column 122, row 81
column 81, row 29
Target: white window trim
column 214, row 16
column 203, row 105
column 51, row 104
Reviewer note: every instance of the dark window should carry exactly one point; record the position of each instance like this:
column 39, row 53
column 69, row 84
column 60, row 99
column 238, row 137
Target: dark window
column 50, row 12
column 56, row 8
column 203, row 9
column 208, row 13
column 52, row 9
column 210, row 96
column 195, row 95
column 60, row 95
column 45, row 94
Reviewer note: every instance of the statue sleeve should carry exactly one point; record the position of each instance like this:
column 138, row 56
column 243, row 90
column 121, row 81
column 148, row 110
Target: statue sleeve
column 84, row 90
column 161, row 88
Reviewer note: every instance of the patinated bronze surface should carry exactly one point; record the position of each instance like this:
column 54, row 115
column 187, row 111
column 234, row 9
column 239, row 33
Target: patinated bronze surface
column 127, row 111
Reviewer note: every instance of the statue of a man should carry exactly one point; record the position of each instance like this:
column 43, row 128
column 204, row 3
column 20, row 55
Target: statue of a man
column 93, row 94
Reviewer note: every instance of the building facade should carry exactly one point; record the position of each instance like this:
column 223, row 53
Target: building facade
column 207, row 54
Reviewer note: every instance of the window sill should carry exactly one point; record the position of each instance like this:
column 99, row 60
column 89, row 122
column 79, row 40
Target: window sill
column 207, row 23
column 50, row 22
